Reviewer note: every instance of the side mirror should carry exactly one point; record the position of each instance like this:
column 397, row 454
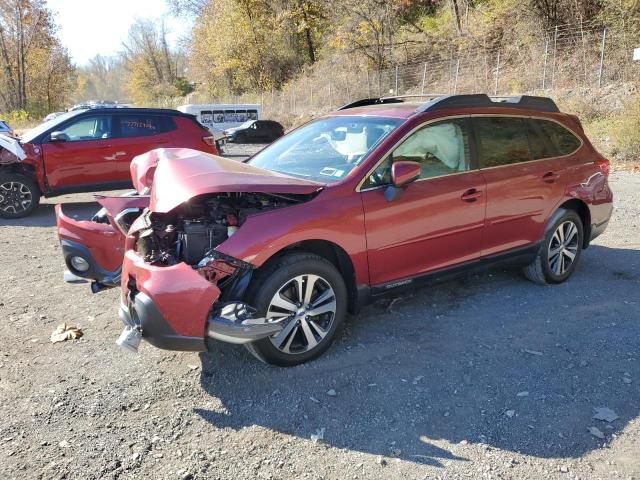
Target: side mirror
column 402, row 174
column 59, row 137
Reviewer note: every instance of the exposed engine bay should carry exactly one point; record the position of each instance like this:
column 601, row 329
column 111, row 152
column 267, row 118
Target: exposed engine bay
column 191, row 232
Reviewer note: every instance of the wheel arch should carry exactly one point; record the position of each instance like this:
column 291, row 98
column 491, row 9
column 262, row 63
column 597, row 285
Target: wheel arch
column 582, row 209
column 22, row 169
column 332, row 252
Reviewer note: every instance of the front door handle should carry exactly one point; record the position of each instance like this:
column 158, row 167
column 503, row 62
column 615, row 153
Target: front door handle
column 550, row 177
column 471, row 195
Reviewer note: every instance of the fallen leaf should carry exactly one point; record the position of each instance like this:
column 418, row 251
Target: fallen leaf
column 65, row 332
column 605, row 414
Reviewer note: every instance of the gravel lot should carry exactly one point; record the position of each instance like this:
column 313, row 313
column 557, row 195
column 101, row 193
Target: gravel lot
column 489, row 376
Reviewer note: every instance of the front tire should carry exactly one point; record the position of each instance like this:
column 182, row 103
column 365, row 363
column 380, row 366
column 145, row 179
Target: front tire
column 310, row 294
column 19, row 195
column 560, row 250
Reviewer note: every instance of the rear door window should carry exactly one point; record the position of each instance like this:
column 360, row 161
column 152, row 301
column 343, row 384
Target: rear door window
column 139, row 125
column 560, row 139
column 501, row 141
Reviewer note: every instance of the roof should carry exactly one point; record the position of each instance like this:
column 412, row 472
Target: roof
column 121, row 110
column 406, row 106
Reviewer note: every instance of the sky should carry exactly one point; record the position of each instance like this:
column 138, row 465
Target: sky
column 91, row 27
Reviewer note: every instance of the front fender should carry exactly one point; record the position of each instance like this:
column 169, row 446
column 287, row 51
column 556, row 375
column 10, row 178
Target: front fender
column 265, row 234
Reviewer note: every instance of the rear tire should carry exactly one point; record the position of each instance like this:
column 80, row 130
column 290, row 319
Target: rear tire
column 19, row 195
column 294, row 287
column 559, row 252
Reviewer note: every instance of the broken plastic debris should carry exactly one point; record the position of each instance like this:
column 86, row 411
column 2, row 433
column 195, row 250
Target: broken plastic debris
column 319, row 435
column 65, row 332
column 595, row 431
column 532, row 352
column 605, row 414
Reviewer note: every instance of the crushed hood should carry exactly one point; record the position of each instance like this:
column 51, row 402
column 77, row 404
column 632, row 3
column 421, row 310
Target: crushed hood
column 12, row 145
column 182, row 173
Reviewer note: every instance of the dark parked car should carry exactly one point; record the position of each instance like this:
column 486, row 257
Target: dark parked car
column 255, row 131
column 376, row 197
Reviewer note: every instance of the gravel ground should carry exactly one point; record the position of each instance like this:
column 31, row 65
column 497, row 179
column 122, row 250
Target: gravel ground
column 489, row 376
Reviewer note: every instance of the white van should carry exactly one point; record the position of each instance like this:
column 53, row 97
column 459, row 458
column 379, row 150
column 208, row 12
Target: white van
column 223, row 116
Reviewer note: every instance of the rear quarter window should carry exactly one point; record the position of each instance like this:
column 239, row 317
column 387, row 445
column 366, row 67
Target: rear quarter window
column 501, row 141
column 560, row 140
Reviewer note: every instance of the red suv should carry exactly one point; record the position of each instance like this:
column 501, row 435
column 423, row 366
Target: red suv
column 381, row 195
column 88, row 150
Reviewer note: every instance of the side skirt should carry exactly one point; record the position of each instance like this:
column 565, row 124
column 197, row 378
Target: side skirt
column 518, row 256
column 93, row 187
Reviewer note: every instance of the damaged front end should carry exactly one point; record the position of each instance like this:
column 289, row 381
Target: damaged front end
column 93, row 249
column 178, row 288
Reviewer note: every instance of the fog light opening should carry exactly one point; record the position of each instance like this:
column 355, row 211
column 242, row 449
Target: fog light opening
column 79, row 264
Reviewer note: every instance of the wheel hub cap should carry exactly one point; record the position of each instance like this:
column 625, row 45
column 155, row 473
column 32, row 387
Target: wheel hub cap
column 307, row 304
column 563, row 247
column 14, row 197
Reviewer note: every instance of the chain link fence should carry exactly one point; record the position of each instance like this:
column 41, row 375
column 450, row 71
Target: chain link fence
column 558, row 59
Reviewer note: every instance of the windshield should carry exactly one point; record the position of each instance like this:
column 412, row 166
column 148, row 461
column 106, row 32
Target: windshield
column 246, row 124
column 327, row 149
column 43, row 127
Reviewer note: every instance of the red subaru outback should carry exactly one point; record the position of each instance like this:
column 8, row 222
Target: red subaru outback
column 88, row 151
column 380, row 195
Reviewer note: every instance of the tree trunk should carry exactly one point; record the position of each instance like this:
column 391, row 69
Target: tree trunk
column 307, row 33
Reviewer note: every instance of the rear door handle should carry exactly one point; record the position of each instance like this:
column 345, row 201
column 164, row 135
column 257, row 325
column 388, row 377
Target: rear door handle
column 471, row 195
column 550, row 177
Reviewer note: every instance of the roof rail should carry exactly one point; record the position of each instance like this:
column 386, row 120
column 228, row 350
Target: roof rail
column 544, row 104
column 441, row 101
column 383, row 100
column 416, row 95
column 370, row 101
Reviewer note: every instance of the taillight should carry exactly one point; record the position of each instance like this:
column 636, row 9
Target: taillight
column 210, row 140
column 604, row 166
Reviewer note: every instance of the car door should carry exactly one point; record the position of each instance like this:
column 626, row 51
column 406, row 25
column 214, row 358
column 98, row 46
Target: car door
column 82, row 155
column 522, row 185
column 438, row 220
column 135, row 134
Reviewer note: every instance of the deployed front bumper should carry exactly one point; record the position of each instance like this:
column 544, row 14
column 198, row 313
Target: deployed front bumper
column 175, row 308
column 98, row 244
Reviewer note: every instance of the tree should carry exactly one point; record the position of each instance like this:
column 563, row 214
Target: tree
column 35, row 70
column 154, row 70
column 103, row 78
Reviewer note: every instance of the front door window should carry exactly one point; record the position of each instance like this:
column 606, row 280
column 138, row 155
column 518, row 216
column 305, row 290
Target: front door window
column 441, row 148
column 89, row 128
